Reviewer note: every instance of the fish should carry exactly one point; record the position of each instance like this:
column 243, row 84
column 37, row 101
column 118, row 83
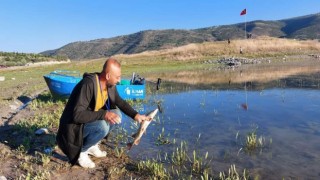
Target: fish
column 142, row 129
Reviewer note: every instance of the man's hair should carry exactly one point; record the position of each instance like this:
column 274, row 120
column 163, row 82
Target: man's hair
column 108, row 63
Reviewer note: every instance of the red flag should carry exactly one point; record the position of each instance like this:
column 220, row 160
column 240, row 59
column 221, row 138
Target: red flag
column 243, row 12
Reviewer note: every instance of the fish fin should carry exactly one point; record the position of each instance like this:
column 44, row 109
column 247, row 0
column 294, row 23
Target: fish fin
column 129, row 146
column 134, row 135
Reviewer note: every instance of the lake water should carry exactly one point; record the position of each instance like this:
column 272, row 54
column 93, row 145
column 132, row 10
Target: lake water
column 216, row 118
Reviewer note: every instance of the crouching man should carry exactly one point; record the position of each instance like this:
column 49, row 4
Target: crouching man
column 93, row 106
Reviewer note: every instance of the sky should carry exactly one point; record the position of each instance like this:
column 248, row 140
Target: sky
column 33, row 26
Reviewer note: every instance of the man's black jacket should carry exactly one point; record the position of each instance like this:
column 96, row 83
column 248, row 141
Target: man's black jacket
column 80, row 110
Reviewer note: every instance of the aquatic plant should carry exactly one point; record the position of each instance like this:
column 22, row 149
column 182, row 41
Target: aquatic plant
column 118, row 135
column 200, row 165
column 206, row 176
column 233, row 174
column 154, row 169
column 252, row 142
column 163, row 139
column 179, row 156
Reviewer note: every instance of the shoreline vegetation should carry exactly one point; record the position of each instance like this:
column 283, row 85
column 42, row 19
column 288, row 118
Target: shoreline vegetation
column 9, row 59
column 23, row 154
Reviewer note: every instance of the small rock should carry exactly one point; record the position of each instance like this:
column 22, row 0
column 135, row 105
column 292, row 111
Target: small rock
column 13, row 107
column 13, row 78
column 42, row 131
column 2, row 78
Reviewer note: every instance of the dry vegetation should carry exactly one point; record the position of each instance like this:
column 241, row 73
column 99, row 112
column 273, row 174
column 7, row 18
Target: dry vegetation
column 260, row 47
column 262, row 73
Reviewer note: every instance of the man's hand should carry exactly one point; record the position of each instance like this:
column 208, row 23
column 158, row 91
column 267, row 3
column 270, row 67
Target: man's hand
column 112, row 118
column 139, row 118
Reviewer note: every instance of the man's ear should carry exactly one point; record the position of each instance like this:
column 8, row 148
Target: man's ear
column 108, row 76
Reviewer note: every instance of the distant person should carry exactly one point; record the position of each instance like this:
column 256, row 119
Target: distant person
column 91, row 109
column 158, row 83
column 241, row 52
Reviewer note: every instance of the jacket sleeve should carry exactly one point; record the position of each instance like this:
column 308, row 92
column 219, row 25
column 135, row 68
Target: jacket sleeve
column 82, row 112
column 124, row 106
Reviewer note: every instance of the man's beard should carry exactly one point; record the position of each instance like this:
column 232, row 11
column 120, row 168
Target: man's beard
column 109, row 85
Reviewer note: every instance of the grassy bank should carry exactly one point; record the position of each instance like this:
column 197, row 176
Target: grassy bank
column 29, row 81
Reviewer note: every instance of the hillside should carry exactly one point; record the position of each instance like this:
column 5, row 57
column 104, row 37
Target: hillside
column 304, row 27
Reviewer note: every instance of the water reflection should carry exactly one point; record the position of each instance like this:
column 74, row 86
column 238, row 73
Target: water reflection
column 260, row 76
column 283, row 107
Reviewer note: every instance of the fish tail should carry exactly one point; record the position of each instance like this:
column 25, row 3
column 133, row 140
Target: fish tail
column 134, row 135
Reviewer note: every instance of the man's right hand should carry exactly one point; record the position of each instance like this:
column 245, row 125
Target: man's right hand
column 112, row 118
column 139, row 118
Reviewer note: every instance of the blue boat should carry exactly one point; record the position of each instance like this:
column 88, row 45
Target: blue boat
column 62, row 82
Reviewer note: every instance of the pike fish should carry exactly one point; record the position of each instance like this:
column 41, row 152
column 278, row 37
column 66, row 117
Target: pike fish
column 142, row 129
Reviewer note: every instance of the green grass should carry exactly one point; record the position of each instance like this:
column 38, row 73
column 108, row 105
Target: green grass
column 29, row 81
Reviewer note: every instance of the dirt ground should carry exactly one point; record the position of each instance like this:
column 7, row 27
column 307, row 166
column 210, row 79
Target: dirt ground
column 15, row 163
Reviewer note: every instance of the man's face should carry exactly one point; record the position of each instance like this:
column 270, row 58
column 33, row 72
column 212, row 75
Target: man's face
column 114, row 76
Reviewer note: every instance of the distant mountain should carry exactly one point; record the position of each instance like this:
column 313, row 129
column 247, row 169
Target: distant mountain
column 304, row 27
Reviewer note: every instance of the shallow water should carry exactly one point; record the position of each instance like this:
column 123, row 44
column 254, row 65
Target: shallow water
column 285, row 111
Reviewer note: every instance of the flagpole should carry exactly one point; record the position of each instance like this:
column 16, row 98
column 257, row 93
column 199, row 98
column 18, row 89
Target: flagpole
column 245, row 26
column 244, row 12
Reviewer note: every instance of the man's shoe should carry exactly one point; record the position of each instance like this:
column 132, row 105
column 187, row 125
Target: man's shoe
column 96, row 152
column 85, row 161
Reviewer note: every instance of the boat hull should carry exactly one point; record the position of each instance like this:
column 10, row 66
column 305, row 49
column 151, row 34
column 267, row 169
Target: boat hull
column 61, row 86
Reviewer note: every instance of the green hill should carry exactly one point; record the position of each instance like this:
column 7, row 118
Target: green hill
column 304, row 27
